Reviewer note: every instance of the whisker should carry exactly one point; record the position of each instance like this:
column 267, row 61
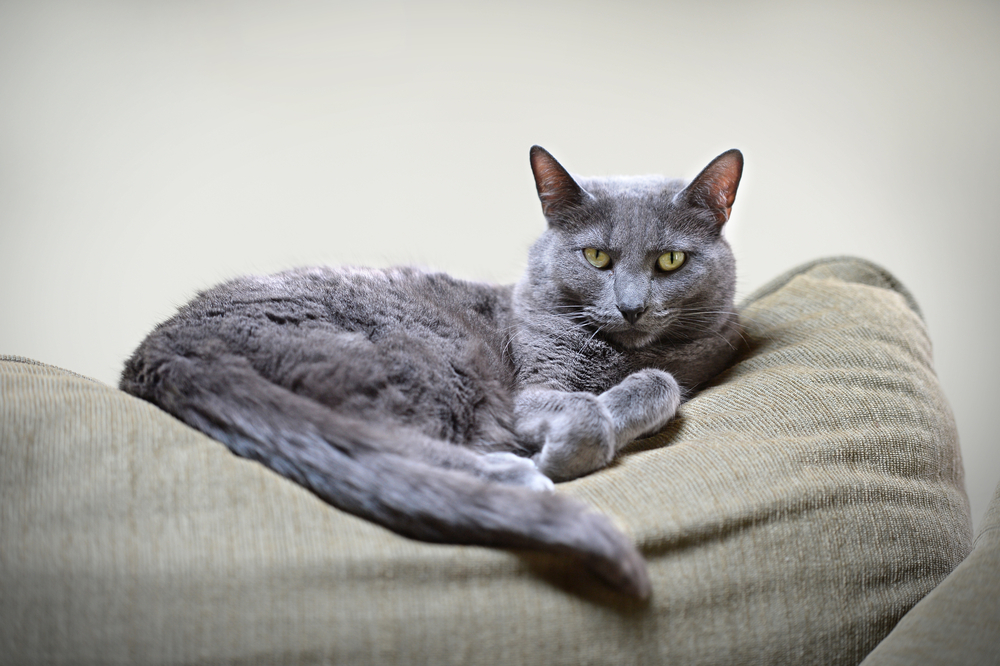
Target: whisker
column 580, row 353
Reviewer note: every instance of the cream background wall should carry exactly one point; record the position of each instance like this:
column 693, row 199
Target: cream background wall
column 150, row 149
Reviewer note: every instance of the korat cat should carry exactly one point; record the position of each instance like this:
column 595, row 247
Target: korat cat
column 444, row 409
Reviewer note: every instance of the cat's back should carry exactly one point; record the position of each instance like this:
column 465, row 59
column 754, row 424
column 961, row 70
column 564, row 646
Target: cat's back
column 366, row 300
column 283, row 320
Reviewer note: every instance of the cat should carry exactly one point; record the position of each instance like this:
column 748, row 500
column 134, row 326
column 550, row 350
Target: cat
column 444, row 409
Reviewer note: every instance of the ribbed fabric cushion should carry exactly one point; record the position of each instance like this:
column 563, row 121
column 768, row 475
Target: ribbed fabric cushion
column 959, row 621
column 791, row 514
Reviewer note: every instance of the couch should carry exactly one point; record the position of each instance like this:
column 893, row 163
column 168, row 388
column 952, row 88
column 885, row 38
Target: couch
column 806, row 508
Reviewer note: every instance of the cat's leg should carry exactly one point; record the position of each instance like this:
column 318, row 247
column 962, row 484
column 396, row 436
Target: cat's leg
column 641, row 404
column 496, row 466
column 573, row 433
column 578, row 433
column 510, row 468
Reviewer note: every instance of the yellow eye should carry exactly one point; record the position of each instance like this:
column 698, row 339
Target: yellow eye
column 597, row 258
column 670, row 261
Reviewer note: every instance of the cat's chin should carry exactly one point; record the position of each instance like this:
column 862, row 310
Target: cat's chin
column 631, row 338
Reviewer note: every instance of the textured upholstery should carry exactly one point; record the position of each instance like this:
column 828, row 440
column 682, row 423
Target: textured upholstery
column 959, row 621
column 793, row 513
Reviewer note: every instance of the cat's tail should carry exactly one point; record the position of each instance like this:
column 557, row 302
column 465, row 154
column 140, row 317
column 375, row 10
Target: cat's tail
column 356, row 468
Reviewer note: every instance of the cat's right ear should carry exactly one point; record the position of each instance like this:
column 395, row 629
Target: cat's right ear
column 557, row 190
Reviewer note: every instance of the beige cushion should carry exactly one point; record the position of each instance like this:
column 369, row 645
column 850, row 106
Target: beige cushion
column 959, row 621
column 792, row 514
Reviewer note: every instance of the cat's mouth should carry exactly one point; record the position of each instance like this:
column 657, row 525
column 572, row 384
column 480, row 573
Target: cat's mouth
column 628, row 332
column 632, row 335
column 643, row 331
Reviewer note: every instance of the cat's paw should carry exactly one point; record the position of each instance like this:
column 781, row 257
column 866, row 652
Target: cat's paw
column 511, row 468
column 642, row 403
column 574, row 430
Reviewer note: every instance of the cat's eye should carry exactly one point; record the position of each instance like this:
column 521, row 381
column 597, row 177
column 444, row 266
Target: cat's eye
column 670, row 261
column 597, row 258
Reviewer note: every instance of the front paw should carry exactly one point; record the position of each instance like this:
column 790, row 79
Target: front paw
column 574, row 430
column 642, row 403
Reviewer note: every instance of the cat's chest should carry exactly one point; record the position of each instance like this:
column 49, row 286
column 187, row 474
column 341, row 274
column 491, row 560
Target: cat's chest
column 578, row 360
column 570, row 359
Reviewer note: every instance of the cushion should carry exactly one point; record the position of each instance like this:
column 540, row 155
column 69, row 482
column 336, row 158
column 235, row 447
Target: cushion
column 792, row 513
column 959, row 621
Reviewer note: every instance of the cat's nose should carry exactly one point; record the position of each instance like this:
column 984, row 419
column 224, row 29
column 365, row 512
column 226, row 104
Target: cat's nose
column 632, row 313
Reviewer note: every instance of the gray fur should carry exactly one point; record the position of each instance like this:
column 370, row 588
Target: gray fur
column 441, row 408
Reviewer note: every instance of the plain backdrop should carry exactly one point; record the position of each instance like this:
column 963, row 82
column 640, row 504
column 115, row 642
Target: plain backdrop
column 149, row 149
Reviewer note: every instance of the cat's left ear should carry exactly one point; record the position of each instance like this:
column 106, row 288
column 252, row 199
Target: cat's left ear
column 715, row 187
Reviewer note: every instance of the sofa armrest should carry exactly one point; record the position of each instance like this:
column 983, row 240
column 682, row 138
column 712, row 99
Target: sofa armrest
column 959, row 621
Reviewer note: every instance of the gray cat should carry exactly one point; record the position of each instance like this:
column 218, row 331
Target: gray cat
column 444, row 409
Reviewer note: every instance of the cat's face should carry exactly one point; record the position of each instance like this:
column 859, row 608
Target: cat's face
column 636, row 259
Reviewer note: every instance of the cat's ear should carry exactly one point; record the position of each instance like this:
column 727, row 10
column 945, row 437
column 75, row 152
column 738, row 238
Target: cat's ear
column 557, row 190
column 715, row 187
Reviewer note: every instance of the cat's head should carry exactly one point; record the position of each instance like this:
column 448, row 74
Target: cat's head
column 638, row 258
